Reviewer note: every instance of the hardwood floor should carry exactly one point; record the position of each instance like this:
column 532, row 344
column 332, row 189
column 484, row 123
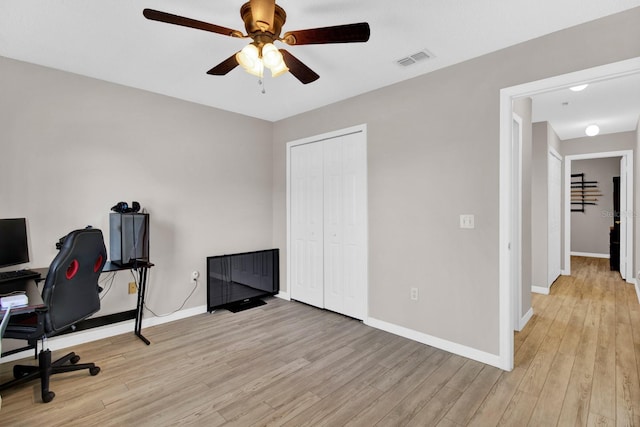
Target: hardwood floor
column 577, row 363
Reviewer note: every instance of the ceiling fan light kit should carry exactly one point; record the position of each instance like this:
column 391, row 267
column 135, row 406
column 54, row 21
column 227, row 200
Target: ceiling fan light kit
column 263, row 21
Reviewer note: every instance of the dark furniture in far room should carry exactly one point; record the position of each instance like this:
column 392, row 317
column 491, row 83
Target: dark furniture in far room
column 614, row 230
column 238, row 281
column 70, row 294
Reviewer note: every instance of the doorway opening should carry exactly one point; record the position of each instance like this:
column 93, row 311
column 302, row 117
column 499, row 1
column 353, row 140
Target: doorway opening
column 626, row 200
column 508, row 195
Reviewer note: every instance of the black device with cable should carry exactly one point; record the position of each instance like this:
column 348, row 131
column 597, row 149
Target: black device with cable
column 129, row 238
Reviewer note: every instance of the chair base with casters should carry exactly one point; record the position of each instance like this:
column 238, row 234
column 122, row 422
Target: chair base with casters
column 45, row 369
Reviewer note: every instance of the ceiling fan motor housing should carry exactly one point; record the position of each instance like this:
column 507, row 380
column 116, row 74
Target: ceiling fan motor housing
column 262, row 32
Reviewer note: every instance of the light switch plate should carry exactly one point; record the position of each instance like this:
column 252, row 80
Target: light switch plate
column 467, row 221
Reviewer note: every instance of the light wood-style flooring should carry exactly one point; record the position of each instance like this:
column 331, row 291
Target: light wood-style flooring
column 286, row 363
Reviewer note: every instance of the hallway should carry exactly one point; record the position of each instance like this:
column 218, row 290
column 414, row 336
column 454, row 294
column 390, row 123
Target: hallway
column 578, row 359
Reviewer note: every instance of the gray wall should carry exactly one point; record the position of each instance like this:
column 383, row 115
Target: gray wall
column 590, row 229
column 599, row 143
column 71, row 147
column 433, row 154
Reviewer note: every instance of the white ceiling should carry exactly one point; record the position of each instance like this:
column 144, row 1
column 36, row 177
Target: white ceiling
column 613, row 105
column 112, row 41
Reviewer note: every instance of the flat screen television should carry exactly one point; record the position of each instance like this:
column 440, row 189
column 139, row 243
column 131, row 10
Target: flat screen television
column 14, row 249
column 239, row 281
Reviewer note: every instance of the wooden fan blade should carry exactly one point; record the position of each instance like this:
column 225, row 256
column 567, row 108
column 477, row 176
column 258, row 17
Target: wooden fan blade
column 348, row 33
column 298, row 69
column 262, row 12
column 224, row 67
column 156, row 15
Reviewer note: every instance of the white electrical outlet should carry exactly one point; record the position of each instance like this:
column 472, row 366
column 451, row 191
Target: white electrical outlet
column 194, row 276
column 414, row 294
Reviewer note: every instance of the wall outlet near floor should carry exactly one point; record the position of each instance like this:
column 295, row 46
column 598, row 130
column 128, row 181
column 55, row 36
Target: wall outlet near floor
column 194, row 276
column 132, row 287
column 414, row 294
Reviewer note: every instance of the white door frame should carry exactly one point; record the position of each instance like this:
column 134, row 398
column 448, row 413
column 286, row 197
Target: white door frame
column 506, row 263
column 316, row 138
column 626, row 238
column 516, row 230
column 567, row 193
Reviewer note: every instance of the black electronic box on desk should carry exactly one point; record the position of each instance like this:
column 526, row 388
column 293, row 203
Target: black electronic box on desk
column 128, row 238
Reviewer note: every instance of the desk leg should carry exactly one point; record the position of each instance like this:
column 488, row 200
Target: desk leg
column 142, row 288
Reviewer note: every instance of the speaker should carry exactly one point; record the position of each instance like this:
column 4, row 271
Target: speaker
column 128, row 238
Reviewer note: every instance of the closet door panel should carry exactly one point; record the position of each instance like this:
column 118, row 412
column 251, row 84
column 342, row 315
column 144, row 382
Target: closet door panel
column 354, row 225
column 345, row 225
column 307, row 284
column 333, row 220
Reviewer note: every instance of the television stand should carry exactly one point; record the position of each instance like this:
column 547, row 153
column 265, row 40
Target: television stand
column 244, row 305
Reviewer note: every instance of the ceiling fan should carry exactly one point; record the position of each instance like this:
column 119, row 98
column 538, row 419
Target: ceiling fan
column 263, row 21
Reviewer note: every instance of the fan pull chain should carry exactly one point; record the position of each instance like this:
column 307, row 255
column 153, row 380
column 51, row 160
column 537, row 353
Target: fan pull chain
column 261, row 83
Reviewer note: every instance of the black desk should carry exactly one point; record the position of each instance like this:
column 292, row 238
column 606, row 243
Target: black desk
column 142, row 268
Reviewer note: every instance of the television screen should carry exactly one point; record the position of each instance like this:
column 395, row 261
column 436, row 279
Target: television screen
column 13, row 242
column 239, row 278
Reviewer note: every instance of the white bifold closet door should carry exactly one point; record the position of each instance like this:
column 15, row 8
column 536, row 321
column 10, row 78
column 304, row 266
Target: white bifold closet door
column 307, row 269
column 329, row 224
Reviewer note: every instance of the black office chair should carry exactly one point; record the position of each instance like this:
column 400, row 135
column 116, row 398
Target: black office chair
column 71, row 294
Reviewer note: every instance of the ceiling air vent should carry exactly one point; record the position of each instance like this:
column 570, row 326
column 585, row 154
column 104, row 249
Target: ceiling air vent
column 416, row 57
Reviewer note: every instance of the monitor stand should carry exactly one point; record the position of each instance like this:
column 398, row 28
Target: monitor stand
column 244, row 305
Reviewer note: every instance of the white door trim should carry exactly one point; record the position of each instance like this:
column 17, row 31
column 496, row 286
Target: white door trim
column 516, row 230
column 552, row 152
column 507, row 95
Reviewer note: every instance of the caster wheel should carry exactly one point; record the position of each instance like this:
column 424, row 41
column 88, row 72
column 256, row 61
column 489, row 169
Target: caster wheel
column 75, row 359
column 48, row 396
column 94, row 371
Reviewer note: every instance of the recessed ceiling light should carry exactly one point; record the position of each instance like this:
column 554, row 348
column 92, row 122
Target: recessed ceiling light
column 592, row 130
column 579, row 87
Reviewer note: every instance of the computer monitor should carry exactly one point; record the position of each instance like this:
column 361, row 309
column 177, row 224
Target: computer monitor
column 14, row 249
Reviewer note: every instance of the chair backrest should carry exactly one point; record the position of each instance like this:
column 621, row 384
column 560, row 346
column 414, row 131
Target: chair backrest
column 71, row 288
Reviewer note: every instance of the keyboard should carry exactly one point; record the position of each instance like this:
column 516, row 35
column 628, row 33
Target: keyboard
column 9, row 276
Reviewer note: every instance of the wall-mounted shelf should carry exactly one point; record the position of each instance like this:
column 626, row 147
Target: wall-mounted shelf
column 583, row 192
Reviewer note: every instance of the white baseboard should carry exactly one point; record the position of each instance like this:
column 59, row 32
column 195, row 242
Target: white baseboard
column 284, row 295
column 452, row 347
column 590, row 255
column 540, row 290
column 637, row 291
column 525, row 319
column 159, row 320
column 94, row 334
